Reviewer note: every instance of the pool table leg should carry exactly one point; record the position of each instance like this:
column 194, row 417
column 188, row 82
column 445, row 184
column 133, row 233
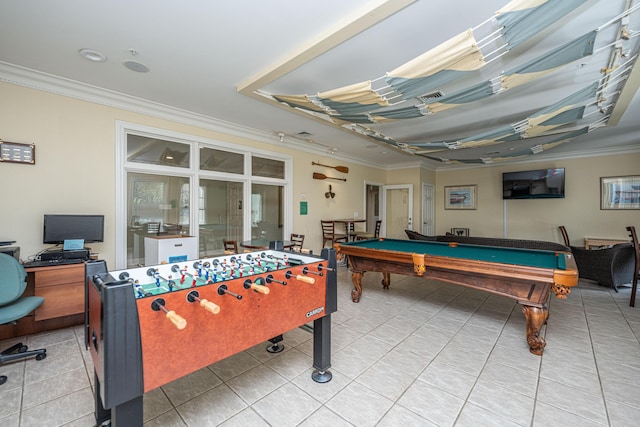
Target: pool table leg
column 535, row 317
column 356, row 277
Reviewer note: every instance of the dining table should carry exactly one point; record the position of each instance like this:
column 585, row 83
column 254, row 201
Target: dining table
column 347, row 225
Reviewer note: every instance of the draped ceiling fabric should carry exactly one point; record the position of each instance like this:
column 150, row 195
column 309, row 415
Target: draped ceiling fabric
column 551, row 61
column 440, row 65
column 298, row 101
column 521, row 19
column 357, row 104
column 353, row 99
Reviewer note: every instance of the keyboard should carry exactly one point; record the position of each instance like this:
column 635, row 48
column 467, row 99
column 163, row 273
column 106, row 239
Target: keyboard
column 52, row 262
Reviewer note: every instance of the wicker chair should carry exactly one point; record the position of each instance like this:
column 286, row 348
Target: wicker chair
column 636, row 267
column 611, row 267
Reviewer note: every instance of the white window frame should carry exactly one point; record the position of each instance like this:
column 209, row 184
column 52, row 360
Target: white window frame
column 194, row 174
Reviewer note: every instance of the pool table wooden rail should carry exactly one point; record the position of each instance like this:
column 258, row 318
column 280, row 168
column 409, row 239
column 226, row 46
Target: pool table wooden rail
column 529, row 286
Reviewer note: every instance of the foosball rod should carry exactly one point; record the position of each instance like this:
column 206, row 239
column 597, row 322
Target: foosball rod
column 179, row 321
column 204, row 303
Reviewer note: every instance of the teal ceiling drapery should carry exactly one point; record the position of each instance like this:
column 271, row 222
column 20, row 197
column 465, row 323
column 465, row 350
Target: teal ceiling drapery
column 521, row 19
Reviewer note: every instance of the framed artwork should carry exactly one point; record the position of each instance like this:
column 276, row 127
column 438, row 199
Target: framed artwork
column 620, row 192
column 464, row 232
column 461, row 197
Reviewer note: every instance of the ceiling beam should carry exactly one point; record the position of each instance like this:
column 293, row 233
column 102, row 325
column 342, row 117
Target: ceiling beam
column 324, row 43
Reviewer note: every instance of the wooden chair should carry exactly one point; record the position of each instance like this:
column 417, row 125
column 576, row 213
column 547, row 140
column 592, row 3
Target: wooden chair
column 368, row 236
column 230, row 246
column 298, row 241
column 565, row 236
column 329, row 233
column 636, row 271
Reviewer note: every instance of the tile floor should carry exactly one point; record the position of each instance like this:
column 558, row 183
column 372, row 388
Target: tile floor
column 420, row 354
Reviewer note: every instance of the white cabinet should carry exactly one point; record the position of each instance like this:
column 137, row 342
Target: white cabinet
column 169, row 249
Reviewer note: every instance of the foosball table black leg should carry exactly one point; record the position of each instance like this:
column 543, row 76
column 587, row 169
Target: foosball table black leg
column 276, row 346
column 322, row 349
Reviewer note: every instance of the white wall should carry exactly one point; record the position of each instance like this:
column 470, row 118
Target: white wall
column 539, row 219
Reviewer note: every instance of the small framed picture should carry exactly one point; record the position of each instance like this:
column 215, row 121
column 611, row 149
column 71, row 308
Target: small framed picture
column 463, row 232
column 461, row 197
column 620, row 192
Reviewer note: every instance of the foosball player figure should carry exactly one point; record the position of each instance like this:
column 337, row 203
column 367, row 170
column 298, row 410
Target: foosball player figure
column 156, row 275
column 184, row 273
column 171, row 284
column 199, row 267
column 138, row 288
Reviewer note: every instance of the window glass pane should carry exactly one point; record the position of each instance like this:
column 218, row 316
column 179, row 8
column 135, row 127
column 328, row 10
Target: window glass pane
column 152, row 151
column 222, row 215
column 156, row 205
column 267, row 167
column 221, row 161
column 267, row 207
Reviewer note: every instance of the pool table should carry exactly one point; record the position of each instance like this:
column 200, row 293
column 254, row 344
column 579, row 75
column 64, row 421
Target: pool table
column 525, row 275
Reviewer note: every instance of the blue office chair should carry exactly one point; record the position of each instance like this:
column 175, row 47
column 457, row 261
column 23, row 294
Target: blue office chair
column 13, row 306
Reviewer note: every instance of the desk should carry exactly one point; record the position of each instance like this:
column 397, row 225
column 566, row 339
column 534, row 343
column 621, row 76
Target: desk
column 524, row 275
column 264, row 244
column 62, row 287
column 347, row 225
column 595, row 242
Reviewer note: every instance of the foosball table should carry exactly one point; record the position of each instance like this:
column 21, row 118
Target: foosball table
column 147, row 326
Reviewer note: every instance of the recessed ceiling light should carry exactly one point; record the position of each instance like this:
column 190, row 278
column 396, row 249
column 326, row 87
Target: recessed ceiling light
column 92, row 55
column 136, row 66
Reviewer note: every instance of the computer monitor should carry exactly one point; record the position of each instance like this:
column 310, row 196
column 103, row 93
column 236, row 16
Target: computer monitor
column 58, row 228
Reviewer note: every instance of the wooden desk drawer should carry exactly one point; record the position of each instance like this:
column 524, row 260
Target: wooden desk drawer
column 60, row 300
column 58, row 275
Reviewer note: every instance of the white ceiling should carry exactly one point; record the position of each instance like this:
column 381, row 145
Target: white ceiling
column 202, row 54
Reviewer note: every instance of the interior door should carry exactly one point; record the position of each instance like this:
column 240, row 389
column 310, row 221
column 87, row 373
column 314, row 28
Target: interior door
column 428, row 203
column 398, row 208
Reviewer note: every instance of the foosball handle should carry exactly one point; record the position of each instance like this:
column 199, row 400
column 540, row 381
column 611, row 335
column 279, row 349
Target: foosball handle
column 209, row 306
column 260, row 288
column 176, row 319
column 306, row 279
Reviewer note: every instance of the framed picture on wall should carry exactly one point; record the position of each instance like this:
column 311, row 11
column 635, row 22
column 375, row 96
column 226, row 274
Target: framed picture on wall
column 620, row 192
column 461, row 197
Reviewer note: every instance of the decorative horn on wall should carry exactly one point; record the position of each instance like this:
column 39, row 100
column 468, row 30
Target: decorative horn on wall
column 329, row 194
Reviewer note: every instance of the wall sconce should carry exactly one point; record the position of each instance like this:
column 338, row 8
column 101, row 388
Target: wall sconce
column 329, row 194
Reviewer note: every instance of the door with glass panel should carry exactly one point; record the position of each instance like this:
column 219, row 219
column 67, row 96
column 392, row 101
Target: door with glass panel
column 267, row 207
column 220, row 214
column 157, row 204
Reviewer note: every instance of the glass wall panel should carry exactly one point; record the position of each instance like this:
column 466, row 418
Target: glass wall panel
column 221, row 161
column 221, row 215
column 153, row 151
column 267, row 212
column 267, row 167
column 156, row 204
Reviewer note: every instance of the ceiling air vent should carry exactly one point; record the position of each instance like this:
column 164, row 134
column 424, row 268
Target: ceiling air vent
column 429, row 96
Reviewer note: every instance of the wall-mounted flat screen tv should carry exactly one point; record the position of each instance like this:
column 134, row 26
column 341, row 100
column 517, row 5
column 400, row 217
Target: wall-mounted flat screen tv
column 58, row 228
column 533, row 184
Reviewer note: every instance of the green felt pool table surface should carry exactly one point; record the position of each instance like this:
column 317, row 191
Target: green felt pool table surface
column 505, row 255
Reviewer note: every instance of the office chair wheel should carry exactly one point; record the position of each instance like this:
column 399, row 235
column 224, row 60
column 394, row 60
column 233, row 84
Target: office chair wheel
column 3, row 379
column 41, row 356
